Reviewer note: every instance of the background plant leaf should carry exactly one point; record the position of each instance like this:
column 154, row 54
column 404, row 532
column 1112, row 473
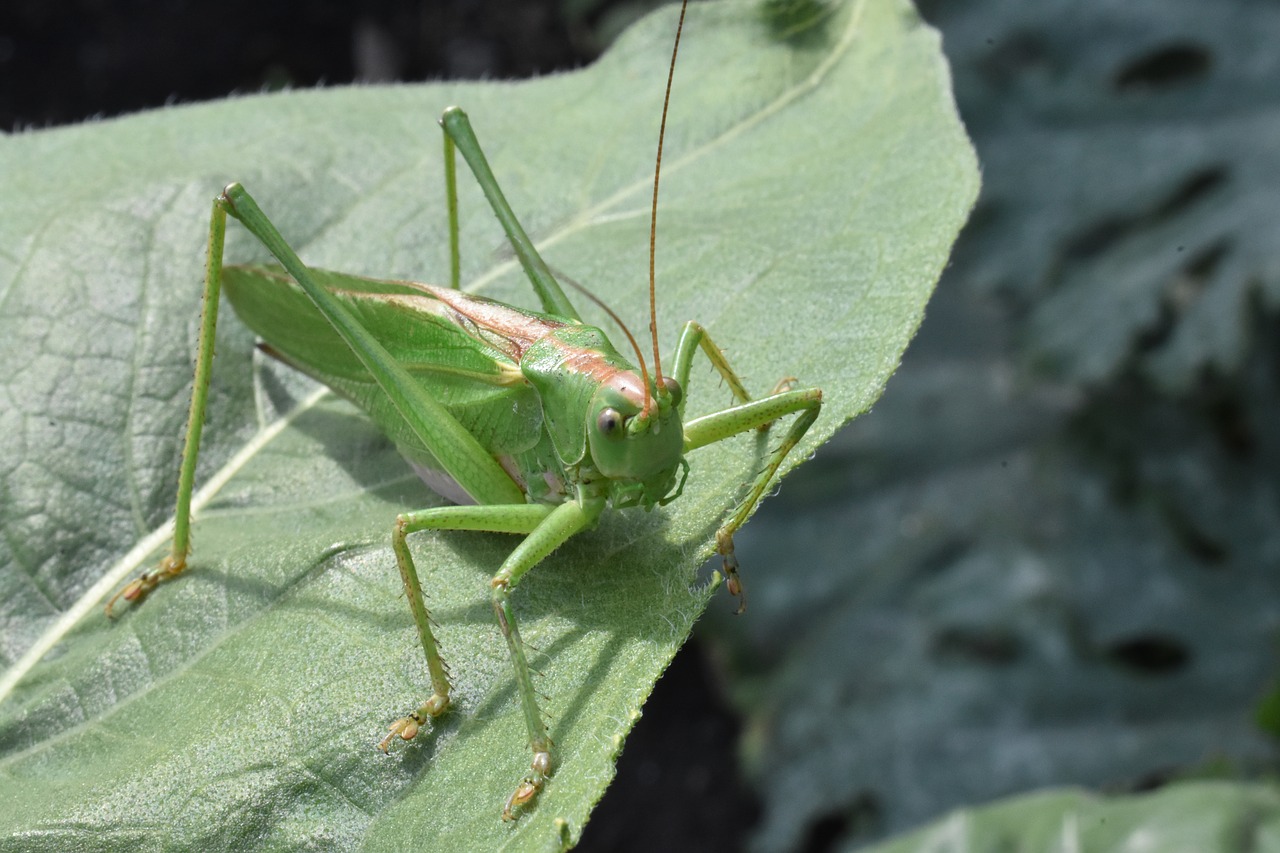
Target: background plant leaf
column 1048, row 557
column 1132, row 176
column 812, row 189
column 1192, row 817
column 1022, row 589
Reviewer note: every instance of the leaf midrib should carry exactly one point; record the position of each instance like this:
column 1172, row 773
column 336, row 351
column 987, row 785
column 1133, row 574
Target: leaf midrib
column 595, row 213
column 129, row 563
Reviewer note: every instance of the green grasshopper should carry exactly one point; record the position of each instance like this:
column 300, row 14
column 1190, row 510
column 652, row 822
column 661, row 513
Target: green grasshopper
column 533, row 419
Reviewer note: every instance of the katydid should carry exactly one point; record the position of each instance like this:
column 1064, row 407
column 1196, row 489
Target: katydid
column 533, row 419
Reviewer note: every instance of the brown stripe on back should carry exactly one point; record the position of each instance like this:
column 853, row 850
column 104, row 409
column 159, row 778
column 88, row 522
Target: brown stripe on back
column 513, row 331
column 598, row 366
column 520, row 327
column 509, row 330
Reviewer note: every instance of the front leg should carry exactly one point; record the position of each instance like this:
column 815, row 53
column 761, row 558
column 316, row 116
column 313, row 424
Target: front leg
column 747, row 415
column 513, row 518
column 547, row 527
column 561, row 524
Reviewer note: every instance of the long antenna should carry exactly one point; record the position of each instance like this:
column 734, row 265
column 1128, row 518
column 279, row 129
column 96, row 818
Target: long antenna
column 653, row 219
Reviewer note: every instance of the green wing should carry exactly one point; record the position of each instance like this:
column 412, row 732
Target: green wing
column 470, row 370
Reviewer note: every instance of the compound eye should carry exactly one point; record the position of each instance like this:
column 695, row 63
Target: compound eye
column 609, row 422
column 673, row 388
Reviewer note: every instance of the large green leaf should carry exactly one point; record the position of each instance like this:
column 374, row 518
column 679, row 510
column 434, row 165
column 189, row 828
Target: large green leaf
column 812, row 188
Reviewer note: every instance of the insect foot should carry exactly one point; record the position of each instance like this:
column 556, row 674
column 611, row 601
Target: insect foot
column 529, row 786
column 406, row 728
column 732, row 581
column 137, row 589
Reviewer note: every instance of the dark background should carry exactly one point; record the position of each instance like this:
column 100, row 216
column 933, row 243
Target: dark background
column 67, row 61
